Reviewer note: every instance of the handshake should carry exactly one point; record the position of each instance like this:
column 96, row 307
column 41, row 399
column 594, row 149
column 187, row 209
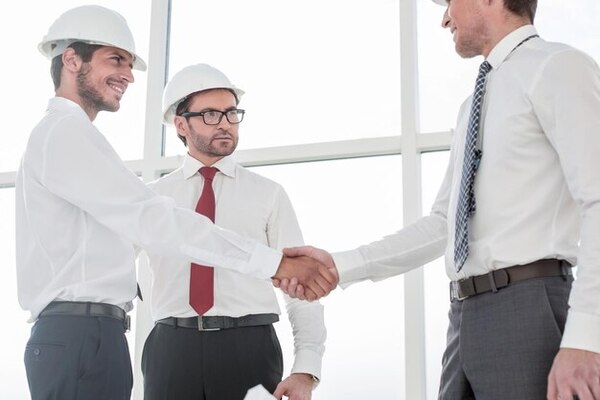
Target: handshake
column 306, row 273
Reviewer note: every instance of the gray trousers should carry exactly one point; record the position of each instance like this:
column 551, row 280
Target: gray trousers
column 78, row 357
column 501, row 345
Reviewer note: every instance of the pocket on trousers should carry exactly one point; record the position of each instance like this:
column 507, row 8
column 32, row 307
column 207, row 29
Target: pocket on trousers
column 557, row 298
column 42, row 361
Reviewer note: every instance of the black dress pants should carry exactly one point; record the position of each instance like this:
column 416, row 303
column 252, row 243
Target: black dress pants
column 78, row 357
column 187, row 364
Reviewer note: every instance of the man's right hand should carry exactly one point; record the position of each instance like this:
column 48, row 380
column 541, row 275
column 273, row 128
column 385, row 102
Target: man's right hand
column 316, row 279
column 292, row 287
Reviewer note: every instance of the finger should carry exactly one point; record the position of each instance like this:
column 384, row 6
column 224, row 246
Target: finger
column 275, row 282
column 284, row 284
column 328, row 276
column 279, row 392
column 296, row 251
column 300, row 292
column 316, row 288
column 552, row 392
column 583, row 393
column 310, row 294
column 292, row 285
column 325, row 285
column 595, row 388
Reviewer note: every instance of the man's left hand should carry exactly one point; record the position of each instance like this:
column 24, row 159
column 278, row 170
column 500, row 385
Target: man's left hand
column 295, row 387
column 574, row 373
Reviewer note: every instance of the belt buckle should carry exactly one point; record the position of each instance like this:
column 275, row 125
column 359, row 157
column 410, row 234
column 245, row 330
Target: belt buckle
column 202, row 328
column 127, row 322
column 454, row 292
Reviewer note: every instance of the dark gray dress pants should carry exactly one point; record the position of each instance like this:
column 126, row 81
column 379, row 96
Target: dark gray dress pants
column 501, row 345
column 78, row 358
column 187, row 364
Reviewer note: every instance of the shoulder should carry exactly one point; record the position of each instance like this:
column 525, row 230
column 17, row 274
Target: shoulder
column 250, row 177
column 167, row 181
column 555, row 54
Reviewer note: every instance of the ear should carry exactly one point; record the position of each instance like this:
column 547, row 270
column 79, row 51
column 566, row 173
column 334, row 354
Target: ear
column 181, row 125
column 71, row 60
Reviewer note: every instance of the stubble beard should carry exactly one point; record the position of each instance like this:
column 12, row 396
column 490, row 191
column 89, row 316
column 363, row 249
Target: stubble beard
column 90, row 96
column 205, row 146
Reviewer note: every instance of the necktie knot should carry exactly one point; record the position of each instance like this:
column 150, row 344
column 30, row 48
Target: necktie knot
column 484, row 68
column 208, row 173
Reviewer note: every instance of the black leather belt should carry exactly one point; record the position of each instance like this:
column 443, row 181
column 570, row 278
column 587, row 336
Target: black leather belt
column 498, row 279
column 86, row 309
column 216, row 323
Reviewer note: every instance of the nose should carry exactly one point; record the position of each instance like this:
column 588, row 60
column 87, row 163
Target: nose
column 446, row 19
column 127, row 75
column 224, row 124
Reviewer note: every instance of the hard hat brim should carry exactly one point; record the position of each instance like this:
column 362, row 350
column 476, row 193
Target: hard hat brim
column 45, row 47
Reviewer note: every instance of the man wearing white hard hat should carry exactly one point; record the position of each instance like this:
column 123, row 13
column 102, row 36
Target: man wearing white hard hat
column 520, row 205
column 81, row 215
column 229, row 346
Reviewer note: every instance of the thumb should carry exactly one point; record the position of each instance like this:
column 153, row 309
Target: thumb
column 297, row 251
column 279, row 392
column 293, row 251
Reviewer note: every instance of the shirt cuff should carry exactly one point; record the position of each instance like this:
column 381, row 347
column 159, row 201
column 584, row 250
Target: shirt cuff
column 307, row 362
column 351, row 267
column 582, row 331
column 264, row 261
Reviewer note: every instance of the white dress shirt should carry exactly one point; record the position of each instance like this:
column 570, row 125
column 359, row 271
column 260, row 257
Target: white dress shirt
column 257, row 208
column 80, row 213
column 537, row 189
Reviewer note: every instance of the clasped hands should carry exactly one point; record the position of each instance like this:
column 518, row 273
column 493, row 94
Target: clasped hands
column 306, row 273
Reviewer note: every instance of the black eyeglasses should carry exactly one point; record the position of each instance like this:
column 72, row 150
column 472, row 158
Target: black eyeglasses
column 214, row 117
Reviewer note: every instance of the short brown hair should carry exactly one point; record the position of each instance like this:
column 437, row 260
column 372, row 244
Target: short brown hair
column 83, row 50
column 522, row 7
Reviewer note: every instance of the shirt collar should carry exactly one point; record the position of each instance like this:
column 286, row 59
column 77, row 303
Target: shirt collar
column 64, row 104
column 501, row 51
column 226, row 165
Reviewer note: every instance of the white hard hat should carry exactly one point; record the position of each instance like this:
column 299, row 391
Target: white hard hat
column 90, row 24
column 441, row 2
column 192, row 79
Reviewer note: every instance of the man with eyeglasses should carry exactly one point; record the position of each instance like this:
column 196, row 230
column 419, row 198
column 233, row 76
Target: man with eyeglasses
column 81, row 215
column 220, row 350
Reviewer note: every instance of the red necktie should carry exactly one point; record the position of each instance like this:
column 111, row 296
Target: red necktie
column 201, row 277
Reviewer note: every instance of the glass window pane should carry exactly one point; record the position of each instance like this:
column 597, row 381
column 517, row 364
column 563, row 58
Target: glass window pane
column 436, row 281
column 313, row 71
column 340, row 205
column 28, row 85
column 574, row 23
column 13, row 381
column 446, row 80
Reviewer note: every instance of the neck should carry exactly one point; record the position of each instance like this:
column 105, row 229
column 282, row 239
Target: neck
column 205, row 159
column 501, row 27
column 74, row 97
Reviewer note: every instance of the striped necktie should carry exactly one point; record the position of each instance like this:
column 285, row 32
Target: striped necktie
column 472, row 157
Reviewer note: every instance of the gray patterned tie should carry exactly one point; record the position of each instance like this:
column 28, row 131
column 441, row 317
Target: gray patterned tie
column 472, row 157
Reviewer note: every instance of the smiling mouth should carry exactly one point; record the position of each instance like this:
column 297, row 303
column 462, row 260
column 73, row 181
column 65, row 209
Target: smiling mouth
column 120, row 89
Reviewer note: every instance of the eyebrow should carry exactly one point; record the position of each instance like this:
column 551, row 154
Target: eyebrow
column 216, row 109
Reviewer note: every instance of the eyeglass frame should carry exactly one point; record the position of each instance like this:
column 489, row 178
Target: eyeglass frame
column 238, row 111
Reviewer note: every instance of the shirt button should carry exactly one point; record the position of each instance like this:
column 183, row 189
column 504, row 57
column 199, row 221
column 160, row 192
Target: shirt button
column 36, row 351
